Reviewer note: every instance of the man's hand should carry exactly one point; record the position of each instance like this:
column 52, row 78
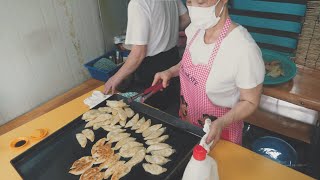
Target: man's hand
column 112, row 84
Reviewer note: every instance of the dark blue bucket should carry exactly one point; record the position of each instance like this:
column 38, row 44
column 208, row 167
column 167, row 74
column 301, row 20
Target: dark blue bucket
column 276, row 149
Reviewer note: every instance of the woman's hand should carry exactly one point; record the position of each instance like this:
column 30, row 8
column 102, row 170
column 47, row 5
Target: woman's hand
column 163, row 76
column 215, row 132
column 166, row 75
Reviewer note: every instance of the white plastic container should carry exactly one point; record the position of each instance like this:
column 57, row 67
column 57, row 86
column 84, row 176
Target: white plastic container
column 201, row 166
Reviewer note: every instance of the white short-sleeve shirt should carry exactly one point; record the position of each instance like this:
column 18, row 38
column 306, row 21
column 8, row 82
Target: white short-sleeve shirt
column 238, row 64
column 154, row 23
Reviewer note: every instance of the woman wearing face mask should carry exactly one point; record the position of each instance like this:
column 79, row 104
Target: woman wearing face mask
column 221, row 72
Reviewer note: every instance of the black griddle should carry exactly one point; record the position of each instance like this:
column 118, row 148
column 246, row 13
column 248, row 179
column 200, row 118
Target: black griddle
column 52, row 157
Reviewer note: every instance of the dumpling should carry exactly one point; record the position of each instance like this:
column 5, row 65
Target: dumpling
column 153, row 168
column 81, row 165
column 144, row 126
column 157, row 140
column 118, row 137
column 103, row 117
column 112, row 169
column 82, row 140
column 123, row 142
column 138, row 124
column 126, row 153
column 121, row 171
column 116, row 104
column 92, row 173
column 98, row 125
column 156, row 159
column 133, row 121
column 105, row 109
column 91, row 114
column 122, row 114
column 151, row 129
column 97, row 145
column 111, row 134
column 164, row 152
column 89, row 134
column 91, row 123
column 110, row 161
column 111, row 128
column 115, row 119
column 131, row 145
column 155, row 134
column 129, row 112
column 156, row 147
column 137, row 158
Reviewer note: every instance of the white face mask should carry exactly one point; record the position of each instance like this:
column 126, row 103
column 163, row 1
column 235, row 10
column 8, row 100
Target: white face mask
column 204, row 17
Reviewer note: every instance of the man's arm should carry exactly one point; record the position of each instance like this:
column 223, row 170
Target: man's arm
column 135, row 58
column 184, row 21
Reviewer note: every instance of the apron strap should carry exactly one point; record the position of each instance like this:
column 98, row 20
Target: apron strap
column 222, row 35
column 193, row 38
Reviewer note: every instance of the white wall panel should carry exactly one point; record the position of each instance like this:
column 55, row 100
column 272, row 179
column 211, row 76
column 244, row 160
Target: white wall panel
column 43, row 46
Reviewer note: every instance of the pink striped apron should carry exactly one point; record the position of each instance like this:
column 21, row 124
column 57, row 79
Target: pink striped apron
column 194, row 102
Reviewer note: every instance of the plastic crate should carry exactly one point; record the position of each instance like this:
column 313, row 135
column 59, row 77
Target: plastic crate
column 100, row 74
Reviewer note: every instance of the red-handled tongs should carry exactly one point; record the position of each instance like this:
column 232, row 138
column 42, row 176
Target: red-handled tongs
column 147, row 93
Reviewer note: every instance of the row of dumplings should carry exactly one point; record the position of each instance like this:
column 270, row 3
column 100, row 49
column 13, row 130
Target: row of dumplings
column 108, row 118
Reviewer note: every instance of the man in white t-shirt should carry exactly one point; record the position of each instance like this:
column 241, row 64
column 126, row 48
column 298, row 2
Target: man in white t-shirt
column 153, row 31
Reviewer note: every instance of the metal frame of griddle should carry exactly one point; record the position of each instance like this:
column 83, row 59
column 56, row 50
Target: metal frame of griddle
column 152, row 112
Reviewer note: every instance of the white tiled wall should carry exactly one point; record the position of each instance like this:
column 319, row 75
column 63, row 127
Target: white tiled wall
column 43, row 46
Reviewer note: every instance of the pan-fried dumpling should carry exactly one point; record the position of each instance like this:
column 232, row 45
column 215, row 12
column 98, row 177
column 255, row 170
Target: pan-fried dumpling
column 92, row 173
column 131, row 145
column 81, row 165
column 103, row 117
column 110, row 162
column 91, row 123
column 97, row 145
column 129, row 112
column 112, row 169
column 105, row 109
column 103, row 153
column 111, row 128
column 91, row 114
column 126, row 153
column 155, row 134
column 115, row 120
column 156, row 159
column 116, row 104
column 118, row 137
column 138, row 124
column 156, row 147
column 144, row 126
column 122, row 114
column 133, row 121
column 89, row 134
column 123, row 142
column 157, row 140
column 98, row 125
column 82, row 140
column 111, row 134
column 137, row 158
column 164, row 152
column 120, row 172
column 153, row 168
column 151, row 129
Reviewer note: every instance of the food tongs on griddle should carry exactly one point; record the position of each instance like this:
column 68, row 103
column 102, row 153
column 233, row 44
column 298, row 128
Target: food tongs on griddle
column 147, row 93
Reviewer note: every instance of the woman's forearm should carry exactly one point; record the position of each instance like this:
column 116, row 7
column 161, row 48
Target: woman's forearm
column 249, row 102
column 240, row 111
column 174, row 70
